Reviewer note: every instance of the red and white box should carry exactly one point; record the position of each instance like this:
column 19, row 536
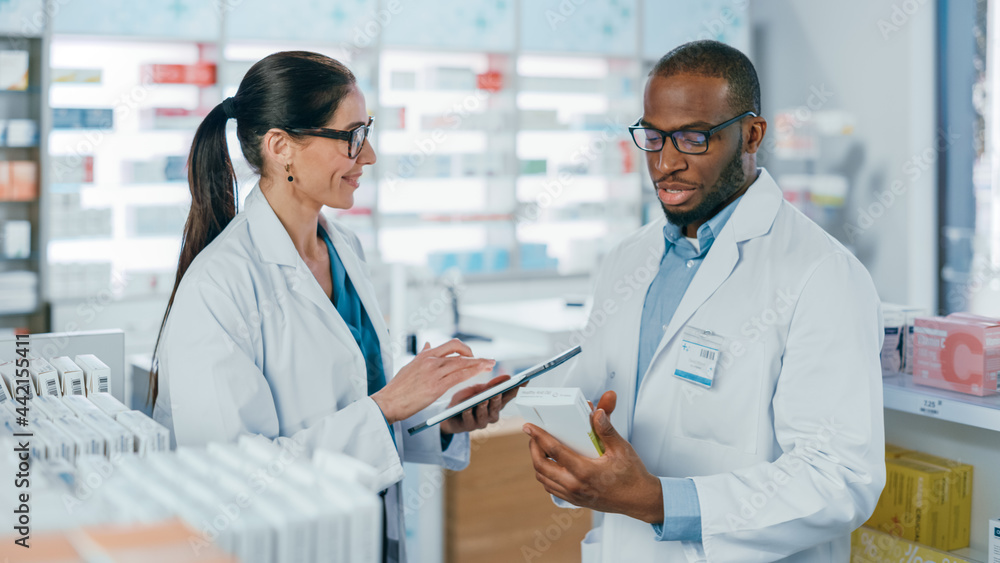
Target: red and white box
column 960, row 352
column 201, row 74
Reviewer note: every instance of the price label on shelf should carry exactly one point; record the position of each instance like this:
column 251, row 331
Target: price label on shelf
column 929, row 407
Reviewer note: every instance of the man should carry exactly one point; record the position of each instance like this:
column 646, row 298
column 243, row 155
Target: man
column 741, row 343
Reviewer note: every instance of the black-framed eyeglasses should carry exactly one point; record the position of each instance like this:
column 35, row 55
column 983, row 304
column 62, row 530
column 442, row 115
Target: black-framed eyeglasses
column 687, row 141
column 354, row 137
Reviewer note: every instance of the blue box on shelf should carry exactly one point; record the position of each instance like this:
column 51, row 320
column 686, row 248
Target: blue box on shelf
column 176, row 170
column 440, row 262
column 82, row 118
column 535, row 256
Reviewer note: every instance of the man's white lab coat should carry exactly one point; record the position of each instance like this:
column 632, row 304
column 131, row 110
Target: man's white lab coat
column 786, row 448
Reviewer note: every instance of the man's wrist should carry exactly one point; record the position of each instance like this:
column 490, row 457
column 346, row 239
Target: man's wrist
column 651, row 499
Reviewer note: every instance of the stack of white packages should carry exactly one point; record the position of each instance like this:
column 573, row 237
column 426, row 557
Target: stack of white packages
column 72, row 413
column 260, row 502
column 96, row 462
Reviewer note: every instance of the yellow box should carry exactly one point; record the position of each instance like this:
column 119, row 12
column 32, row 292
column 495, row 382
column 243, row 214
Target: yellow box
column 958, row 521
column 893, row 451
column 914, row 504
column 873, row 546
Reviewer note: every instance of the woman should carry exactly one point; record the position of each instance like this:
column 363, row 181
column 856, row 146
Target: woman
column 272, row 327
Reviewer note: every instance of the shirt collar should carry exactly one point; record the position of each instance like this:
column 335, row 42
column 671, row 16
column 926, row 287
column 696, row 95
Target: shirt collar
column 707, row 232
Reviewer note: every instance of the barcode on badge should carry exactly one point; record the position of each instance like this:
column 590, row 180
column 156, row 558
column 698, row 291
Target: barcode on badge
column 708, row 354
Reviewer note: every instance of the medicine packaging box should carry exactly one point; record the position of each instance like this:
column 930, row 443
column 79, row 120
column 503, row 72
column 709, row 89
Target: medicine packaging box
column 70, row 375
column 912, row 314
column 958, row 516
column 97, row 375
column 893, row 451
column 45, row 377
column 563, row 413
column 13, row 70
column 959, row 353
column 18, row 180
column 914, row 502
column 894, row 325
column 873, row 546
column 993, row 549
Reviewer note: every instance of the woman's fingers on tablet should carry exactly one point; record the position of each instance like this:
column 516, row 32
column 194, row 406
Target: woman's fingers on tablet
column 453, row 346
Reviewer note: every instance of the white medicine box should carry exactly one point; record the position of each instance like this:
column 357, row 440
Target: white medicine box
column 563, row 413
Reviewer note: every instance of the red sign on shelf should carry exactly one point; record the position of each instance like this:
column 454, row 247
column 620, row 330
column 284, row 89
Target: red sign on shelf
column 201, row 74
column 491, row 81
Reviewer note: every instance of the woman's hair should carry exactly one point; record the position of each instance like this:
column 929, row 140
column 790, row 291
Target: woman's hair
column 285, row 90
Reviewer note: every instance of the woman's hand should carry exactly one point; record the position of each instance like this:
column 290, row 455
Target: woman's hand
column 482, row 415
column 426, row 378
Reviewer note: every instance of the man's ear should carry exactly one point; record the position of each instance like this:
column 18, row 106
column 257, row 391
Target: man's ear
column 758, row 127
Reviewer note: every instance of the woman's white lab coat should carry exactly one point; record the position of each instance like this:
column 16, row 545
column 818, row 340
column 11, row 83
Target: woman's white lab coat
column 253, row 345
column 786, row 448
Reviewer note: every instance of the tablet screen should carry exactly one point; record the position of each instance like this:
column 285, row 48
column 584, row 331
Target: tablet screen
column 519, row 379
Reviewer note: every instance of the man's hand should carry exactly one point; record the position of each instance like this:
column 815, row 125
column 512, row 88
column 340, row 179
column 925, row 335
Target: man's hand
column 615, row 482
column 483, row 415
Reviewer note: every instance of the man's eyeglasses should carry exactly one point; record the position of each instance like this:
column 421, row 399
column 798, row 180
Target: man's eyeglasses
column 355, row 137
column 687, row 141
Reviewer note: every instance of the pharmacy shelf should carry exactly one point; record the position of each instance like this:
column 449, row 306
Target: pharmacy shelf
column 901, row 394
column 13, row 314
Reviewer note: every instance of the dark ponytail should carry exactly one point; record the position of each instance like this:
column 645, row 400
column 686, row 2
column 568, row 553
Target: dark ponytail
column 293, row 89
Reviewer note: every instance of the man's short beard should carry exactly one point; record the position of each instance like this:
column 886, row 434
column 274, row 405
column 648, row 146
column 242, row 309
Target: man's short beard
column 730, row 181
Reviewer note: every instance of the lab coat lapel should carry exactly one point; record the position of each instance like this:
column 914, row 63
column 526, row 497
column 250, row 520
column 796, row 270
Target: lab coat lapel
column 362, row 283
column 752, row 218
column 718, row 264
column 275, row 246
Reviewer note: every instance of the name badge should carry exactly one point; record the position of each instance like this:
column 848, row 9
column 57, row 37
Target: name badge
column 699, row 356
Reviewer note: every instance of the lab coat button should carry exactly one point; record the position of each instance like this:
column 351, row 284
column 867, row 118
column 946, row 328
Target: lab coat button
column 612, row 375
column 690, row 264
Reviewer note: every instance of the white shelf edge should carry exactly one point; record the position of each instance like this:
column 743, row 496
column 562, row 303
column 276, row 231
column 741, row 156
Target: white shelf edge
column 901, row 394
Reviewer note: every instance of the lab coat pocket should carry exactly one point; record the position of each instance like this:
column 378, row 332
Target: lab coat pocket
column 590, row 547
column 728, row 413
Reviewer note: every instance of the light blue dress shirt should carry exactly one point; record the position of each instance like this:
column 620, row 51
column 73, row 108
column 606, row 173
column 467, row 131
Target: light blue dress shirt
column 680, row 262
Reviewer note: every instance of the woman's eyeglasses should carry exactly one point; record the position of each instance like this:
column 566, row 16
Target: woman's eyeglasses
column 354, row 137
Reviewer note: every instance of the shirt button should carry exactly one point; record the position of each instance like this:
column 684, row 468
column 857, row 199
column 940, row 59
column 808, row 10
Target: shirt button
column 664, row 328
column 690, row 264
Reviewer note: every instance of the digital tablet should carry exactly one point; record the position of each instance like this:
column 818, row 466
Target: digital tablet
column 519, row 379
